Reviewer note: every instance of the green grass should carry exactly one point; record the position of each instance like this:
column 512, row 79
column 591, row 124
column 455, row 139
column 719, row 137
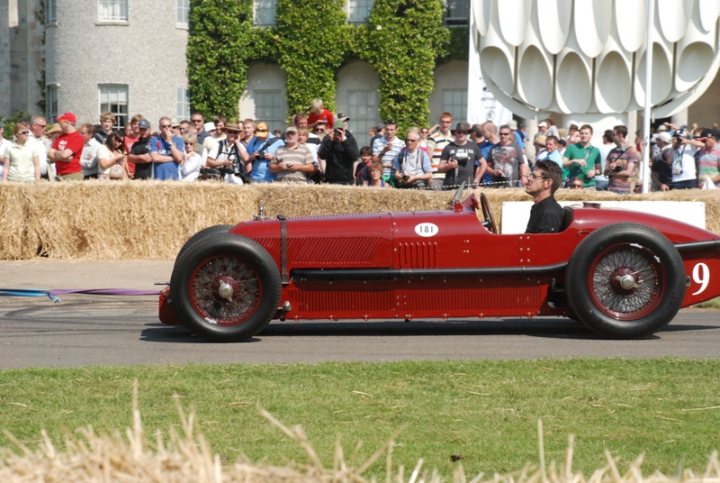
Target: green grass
column 710, row 304
column 485, row 411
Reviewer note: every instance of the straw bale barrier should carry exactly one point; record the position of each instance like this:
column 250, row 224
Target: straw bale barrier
column 106, row 220
column 186, row 456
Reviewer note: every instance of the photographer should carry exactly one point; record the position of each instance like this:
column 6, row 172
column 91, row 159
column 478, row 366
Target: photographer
column 684, row 168
column 230, row 155
column 340, row 151
column 412, row 165
column 460, row 158
column 622, row 163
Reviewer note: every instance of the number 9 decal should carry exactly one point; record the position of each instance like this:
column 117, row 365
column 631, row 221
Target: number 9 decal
column 701, row 276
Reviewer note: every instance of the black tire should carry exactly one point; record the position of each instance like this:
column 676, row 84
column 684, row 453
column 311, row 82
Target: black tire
column 225, row 287
column 625, row 281
column 204, row 233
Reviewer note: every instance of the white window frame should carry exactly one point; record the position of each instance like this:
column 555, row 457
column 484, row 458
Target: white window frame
column 119, row 10
column 261, row 20
column 182, row 13
column 51, row 103
column 108, row 90
column 182, row 104
column 353, row 10
column 451, row 15
column 51, row 12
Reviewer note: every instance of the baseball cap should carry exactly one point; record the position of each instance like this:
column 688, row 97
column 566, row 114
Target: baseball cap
column 209, row 126
column 291, row 129
column 144, row 124
column 542, row 124
column 462, row 126
column 67, row 116
column 339, row 122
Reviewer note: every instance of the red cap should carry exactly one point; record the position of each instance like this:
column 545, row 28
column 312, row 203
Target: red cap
column 67, row 116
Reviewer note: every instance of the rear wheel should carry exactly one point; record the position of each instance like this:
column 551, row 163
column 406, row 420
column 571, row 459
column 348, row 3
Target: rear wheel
column 625, row 281
column 225, row 287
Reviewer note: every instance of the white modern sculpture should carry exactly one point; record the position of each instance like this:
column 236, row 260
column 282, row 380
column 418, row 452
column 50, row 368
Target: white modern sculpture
column 587, row 57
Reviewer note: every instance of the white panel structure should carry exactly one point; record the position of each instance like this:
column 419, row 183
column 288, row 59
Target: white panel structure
column 588, row 56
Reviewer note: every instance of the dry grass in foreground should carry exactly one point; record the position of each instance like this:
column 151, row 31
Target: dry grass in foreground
column 187, row 457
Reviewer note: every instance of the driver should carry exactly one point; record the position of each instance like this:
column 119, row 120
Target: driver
column 546, row 215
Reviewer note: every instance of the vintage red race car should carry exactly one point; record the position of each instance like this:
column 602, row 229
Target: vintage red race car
column 623, row 274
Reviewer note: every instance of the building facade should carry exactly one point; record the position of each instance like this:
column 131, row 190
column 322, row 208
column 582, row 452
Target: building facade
column 129, row 57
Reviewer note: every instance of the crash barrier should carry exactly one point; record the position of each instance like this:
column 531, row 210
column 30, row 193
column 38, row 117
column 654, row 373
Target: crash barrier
column 112, row 220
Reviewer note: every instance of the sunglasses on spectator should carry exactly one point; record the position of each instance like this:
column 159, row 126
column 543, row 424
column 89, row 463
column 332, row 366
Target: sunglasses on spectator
column 197, row 120
column 163, row 126
column 24, row 132
column 411, row 140
column 505, row 133
column 576, row 186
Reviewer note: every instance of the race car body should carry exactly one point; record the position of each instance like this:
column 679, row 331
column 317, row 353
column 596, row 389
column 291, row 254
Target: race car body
column 623, row 274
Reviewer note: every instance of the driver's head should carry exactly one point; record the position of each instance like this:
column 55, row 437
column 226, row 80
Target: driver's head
column 552, row 171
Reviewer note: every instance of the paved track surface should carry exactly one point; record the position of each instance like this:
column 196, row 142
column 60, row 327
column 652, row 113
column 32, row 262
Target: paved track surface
column 119, row 331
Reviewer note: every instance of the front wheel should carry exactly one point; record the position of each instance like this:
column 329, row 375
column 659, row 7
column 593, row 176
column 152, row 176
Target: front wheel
column 625, row 281
column 225, row 287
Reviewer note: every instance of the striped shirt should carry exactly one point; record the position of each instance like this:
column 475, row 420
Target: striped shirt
column 436, row 144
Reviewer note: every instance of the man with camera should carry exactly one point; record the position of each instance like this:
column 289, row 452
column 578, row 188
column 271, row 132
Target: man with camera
column 230, row 155
column 460, row 158
column 684, row 169
column 622, row 163
column 339, row 151
column 412, row 165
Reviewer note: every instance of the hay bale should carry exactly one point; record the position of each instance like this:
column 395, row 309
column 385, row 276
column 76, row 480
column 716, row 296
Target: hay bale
column 109, row 220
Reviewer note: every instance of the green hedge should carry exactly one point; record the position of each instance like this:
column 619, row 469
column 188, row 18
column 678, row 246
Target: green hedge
column 403, row 41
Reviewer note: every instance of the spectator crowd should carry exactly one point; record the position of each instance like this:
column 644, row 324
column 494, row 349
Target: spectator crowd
column 320, row 147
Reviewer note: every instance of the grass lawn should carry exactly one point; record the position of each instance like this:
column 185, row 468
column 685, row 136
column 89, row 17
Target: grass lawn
column 485, row 412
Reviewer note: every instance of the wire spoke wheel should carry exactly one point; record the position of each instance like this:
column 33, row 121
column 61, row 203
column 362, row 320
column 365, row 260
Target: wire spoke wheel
column 627, row 282
column 225, row 286
column 225, row 290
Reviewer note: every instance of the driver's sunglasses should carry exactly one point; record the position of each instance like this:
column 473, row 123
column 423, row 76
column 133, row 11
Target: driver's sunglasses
column 533, row 176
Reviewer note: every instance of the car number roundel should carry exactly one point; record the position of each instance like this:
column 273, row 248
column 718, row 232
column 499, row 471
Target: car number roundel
column 426, row 229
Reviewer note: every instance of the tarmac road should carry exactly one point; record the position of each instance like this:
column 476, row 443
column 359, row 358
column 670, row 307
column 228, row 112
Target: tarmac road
column 87, row 330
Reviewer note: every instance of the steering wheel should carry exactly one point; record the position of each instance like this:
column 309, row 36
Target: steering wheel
column 489, row 222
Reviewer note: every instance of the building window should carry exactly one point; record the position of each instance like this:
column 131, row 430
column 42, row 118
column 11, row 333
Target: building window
column 264, row 12
column 268, row 108
column 50, row 12
column 51, row 109
column 455, row 101
column 457, row 12
column 113, row 11
column 362, row 107
column 359, row 10
column 114, row 98
column 182, row 104
column 182, row 12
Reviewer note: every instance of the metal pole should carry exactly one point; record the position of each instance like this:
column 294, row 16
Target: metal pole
column 648, row 103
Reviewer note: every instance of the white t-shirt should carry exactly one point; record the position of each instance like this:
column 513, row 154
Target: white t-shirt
column 89, row 157
column 190, row 169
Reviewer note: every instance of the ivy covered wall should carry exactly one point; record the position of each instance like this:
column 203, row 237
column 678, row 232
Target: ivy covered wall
column 403, row 40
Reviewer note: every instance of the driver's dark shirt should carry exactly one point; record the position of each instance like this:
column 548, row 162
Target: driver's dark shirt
column 545, row 217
